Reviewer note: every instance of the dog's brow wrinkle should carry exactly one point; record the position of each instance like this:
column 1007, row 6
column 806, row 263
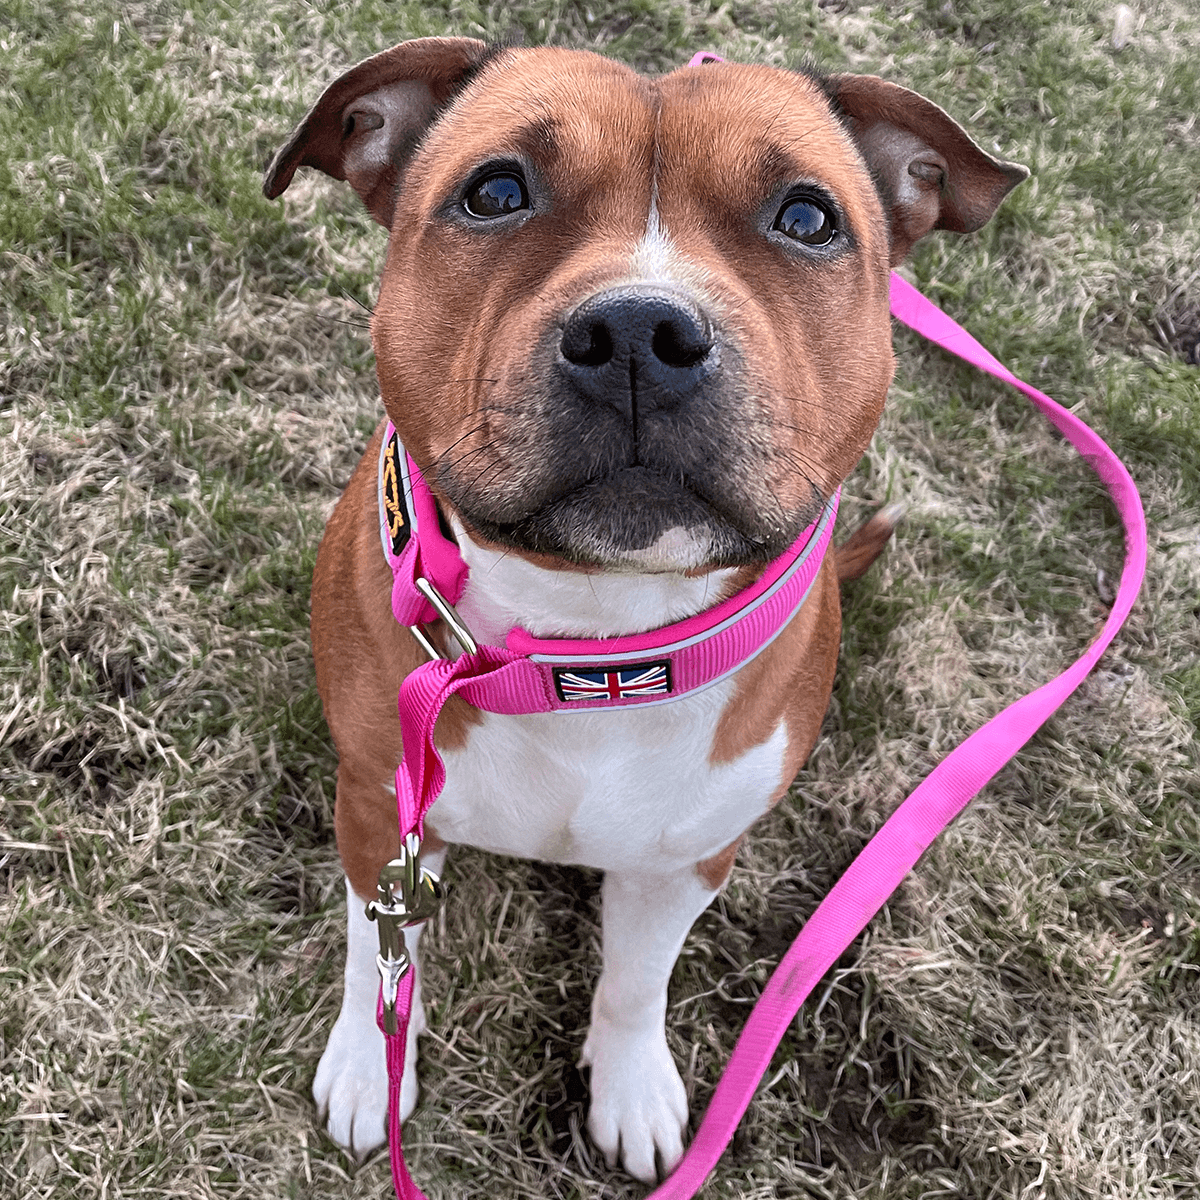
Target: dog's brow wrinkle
column 656, row 164
column 540, row 135
column 773, row 166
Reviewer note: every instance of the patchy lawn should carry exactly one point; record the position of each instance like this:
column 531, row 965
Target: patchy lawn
column 185, row 383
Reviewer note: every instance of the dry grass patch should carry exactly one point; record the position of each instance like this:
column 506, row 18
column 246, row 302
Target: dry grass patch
column 186, row 382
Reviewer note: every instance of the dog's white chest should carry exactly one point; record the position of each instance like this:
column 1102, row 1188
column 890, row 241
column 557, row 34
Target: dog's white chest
column 615, row 789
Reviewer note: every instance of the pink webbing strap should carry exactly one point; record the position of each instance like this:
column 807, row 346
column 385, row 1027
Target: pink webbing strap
column 894, row 850
column 396, row 1043
column 419, row 780
column 431, row 555
column 890, row 855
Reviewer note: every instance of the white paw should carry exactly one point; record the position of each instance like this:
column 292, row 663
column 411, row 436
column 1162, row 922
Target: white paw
column 351, row 1084
column 639, row 1107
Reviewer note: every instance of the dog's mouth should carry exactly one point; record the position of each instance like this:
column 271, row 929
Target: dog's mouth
column 636, row 519
column 644, row 462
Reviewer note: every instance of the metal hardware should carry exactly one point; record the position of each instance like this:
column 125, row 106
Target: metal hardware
column 425, row 644
column 445, row 610
column 391, row 971
column 408, row 894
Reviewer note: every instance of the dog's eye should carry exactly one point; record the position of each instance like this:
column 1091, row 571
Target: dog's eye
column 807, row 222
column 496, row 196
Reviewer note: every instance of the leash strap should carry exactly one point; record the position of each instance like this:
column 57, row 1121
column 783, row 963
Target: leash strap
column 395, row 1044
column 891, row 853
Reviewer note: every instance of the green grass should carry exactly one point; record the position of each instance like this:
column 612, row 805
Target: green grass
column 185, row 384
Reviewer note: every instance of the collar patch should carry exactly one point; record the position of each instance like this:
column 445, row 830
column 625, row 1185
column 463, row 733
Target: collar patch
column 624, row 682
column 397, row 524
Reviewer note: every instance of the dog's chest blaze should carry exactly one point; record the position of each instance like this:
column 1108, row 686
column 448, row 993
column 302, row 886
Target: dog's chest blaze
column 619, row 789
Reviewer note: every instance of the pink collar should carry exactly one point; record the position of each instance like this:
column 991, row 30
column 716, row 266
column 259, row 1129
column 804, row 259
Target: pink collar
column 550, row 674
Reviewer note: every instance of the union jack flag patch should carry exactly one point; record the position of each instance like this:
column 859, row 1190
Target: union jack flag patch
column 619, row 683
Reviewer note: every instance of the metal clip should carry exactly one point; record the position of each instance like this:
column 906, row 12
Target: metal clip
column 445, row 610
column 408, row 894
column 391, row 971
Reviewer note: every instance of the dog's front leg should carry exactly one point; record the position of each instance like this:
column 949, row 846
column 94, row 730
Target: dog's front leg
column 639, row 1108
column 351, row 1083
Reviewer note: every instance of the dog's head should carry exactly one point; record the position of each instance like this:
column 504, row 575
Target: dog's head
column 636, row 323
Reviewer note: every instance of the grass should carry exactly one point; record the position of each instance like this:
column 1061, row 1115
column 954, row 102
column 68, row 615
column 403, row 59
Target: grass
column 185, row 383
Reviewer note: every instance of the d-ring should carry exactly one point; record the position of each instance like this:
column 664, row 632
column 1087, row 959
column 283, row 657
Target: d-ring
column 445, row 610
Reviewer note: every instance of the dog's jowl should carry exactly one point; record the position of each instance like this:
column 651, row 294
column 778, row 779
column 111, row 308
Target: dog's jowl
column 633, row 333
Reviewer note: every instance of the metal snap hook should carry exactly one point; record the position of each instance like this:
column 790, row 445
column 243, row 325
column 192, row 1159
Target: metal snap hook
column 408, row 894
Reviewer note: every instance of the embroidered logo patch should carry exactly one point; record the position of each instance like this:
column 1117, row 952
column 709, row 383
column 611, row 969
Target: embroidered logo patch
column 395, row 514
column 619, row 683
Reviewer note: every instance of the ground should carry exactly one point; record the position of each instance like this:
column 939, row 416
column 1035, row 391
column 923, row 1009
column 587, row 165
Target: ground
column 185, row 384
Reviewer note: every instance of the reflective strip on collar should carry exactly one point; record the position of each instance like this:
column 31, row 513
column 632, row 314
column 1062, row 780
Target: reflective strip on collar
column 816, row 542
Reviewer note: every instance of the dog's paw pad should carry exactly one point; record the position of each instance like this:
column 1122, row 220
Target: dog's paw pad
column 639, row 1107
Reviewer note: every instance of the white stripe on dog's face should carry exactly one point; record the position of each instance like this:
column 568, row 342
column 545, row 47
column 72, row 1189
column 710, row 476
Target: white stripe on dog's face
column 654, row 255
column 656, row 258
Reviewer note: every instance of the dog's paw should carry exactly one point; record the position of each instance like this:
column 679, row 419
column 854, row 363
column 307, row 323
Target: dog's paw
column 639, row 1106
column 351, row 1084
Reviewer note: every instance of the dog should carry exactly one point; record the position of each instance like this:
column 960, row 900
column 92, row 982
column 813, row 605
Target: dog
column 633, row 334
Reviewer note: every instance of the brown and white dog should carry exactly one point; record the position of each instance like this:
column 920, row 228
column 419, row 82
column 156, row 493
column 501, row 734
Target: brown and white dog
column 635, row 333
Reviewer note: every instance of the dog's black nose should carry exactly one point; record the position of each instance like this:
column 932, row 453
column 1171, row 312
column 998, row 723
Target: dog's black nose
column 638, row 347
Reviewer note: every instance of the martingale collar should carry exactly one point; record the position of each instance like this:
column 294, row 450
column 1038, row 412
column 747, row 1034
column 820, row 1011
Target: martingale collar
column 557, row 673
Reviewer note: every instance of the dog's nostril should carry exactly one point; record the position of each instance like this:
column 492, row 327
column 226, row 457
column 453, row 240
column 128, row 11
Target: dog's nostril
column 661, row 337
column 680, row 344
column 587, row 344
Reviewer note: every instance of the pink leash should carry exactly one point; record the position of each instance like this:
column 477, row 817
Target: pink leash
column 878, row 870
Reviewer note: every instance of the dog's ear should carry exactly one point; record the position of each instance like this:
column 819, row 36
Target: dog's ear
column 930, row 173
column 366, row 124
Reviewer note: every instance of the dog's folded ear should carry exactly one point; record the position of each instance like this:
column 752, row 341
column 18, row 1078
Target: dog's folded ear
column 930, row 174
column 366, row 124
